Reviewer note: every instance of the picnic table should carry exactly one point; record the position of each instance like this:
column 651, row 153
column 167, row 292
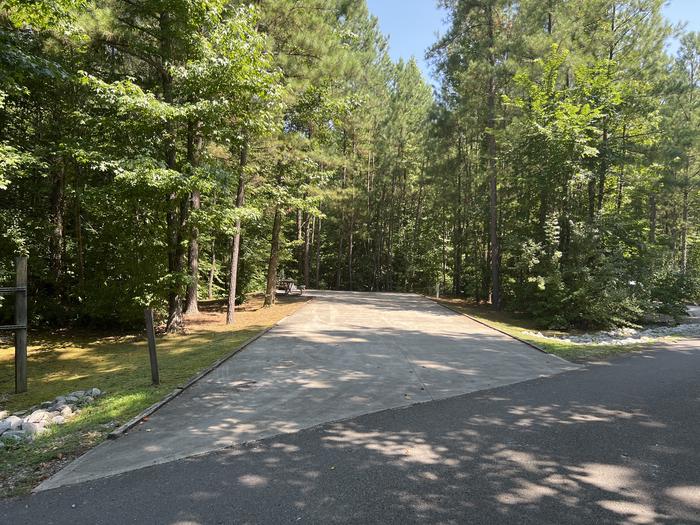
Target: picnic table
column 289, row 286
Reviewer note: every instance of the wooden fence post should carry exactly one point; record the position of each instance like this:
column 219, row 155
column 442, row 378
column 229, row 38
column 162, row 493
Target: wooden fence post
column 21, row 326
column 151, row 334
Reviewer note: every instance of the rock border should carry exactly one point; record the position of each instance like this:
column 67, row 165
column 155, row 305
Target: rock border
column 26, row 425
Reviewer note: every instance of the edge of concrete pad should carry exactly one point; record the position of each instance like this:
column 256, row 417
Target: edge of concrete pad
column 123, row 429
column 45, row 485
column 528, row 343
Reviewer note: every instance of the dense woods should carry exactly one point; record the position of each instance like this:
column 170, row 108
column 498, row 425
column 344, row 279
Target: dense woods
column 158, row 153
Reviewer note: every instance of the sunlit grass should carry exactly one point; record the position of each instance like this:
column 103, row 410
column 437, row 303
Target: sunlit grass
column 63, row 362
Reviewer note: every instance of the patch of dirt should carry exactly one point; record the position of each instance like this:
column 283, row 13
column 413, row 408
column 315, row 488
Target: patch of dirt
column 212, row 314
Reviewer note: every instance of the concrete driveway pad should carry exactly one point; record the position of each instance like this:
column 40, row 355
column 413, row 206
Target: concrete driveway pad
column 342, row 355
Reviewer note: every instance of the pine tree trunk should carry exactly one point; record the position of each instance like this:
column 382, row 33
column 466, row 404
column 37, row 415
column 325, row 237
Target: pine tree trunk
column 194, row 147
column 493, row 183
column 458, row 229
column 317, row 279
column 79, row 233
column 308, row 234
column 191, row 301
column 212, row 271
column 652, row 218
column 236, row 241
column 350, row 244
column 602, row 174
column 58, row 185
column 175, row 262
column 684, row 231
column 274, row 259
column 300, row 243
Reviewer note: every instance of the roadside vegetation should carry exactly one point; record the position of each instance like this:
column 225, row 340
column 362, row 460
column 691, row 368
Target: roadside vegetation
column 524, row 328
column 63, row 362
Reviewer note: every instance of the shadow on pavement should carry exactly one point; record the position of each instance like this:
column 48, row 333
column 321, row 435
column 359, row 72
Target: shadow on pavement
column 615, row 443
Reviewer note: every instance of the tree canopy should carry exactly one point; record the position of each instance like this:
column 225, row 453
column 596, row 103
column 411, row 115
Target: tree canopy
column 157, row 153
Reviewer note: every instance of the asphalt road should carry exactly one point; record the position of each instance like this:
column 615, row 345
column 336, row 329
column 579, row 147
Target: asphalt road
column 610, row 443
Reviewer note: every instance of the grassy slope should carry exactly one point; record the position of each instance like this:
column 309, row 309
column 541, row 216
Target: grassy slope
column 64, row 362
column 519, row 327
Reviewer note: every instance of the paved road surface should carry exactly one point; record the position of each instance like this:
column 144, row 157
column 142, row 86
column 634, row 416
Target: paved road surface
column 342, row 355
column 610, row 443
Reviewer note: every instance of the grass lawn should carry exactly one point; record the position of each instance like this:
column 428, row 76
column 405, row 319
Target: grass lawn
column 63, row 362
column 518, row 327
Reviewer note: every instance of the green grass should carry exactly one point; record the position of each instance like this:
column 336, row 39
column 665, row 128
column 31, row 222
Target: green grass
column 60, row 363
column 519, row 327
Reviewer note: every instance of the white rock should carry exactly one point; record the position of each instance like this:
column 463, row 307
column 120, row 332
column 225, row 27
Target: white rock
column 66, row 411
column 4, row 414
column 59, row 420
column 95, row 392
column 37, row 417
column 34, row 429
column 626, row 336
column 14, row 421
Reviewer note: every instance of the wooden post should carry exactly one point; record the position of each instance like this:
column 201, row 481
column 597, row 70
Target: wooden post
column 437, row 290
column 21, row 326
column 151, row 333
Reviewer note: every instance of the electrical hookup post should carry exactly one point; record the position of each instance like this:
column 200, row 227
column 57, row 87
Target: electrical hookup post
column 19, row 290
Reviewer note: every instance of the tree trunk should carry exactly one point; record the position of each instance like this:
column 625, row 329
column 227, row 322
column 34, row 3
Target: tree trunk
column 339, row 263
column 236, row 241
column 652, row 218
column 318, row 255
column 274, row 259
column 350, row 244
column 194, row 147
column 175, row 263
column 684, row 231
column 191, row 300
column 300, row 242
column 458, row 229
column 493, row 183
column 58, row 186
column 603, row 167
column 308, row 234
column 79, row 232
column 212, row 271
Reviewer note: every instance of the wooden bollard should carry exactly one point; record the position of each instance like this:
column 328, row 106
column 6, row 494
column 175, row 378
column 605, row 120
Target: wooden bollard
column 151, row 334
column 21, row 326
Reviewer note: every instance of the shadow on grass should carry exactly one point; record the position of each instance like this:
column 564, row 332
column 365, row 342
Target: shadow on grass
column 58, row 367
